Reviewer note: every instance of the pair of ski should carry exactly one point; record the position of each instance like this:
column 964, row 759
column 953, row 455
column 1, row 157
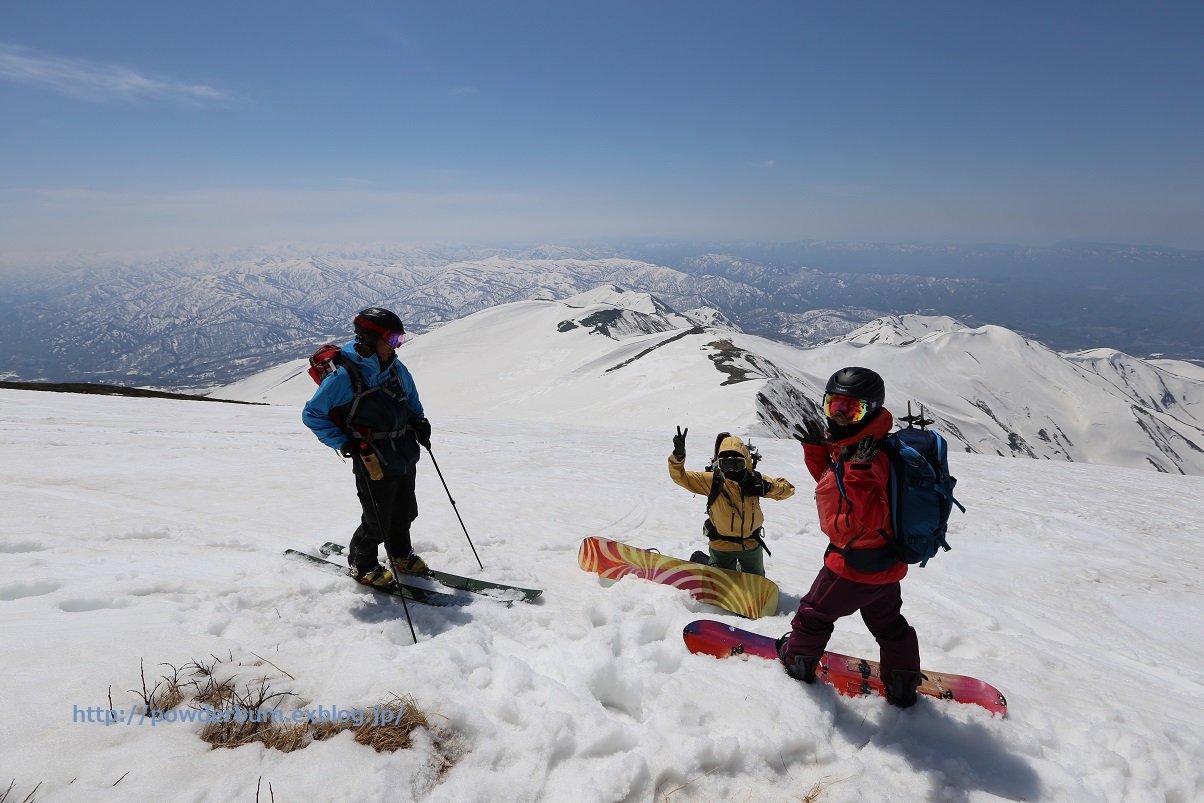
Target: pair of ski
column 413, row 587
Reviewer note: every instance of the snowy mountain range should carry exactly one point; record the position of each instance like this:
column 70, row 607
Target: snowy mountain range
column 619, row 359
column 197, row 320
column 186, row 324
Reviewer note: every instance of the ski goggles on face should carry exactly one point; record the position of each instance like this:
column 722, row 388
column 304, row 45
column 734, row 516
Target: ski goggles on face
column 846, row 407
column 731, row 464
column 394, row 337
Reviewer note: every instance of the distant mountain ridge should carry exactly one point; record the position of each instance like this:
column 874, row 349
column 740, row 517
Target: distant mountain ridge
column 183, row 324
column 194, row 320
column 1144, row 300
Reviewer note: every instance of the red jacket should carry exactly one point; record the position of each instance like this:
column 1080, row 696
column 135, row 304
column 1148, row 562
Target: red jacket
column 863, row 509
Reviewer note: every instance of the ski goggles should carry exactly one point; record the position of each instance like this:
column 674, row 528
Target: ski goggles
column 847, row 407
column 731, row 464
column 394, row 337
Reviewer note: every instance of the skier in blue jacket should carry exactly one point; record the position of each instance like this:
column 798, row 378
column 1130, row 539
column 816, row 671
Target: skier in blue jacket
column 368, row 409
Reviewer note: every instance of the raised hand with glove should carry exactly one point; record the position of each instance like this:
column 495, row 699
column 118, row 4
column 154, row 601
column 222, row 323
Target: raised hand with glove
column 810, row 433
column 679, row 442
column 867, row 448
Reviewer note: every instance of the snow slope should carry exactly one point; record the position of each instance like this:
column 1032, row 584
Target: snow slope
column 900, row 330
column 1190, row 370
column 151, row 531
column 625, row 360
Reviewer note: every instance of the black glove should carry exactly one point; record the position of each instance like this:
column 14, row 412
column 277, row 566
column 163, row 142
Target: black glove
column 354, row 448
column 422, row 431
column 753, row 484
column 867, row 447
column 679, row 442
column 811, row 433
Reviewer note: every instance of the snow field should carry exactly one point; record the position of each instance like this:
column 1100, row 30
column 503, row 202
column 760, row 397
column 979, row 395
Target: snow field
column 152, row 530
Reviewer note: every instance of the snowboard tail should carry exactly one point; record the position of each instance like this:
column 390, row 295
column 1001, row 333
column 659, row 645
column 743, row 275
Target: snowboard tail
column 485, row 588
column 748, row 595
column 854, row 677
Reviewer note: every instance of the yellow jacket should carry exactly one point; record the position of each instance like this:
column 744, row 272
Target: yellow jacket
column 733, row 514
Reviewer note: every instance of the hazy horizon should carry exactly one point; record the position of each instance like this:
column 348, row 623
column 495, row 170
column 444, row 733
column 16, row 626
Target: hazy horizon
column 144, row 127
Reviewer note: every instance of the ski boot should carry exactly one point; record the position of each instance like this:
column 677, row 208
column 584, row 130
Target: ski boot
column 410, row 564
column 377, row 577
column 901, row 690
column 801, row 667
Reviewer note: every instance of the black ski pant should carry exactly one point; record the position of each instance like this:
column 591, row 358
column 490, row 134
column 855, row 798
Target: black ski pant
column 832, row 597
column 389, row 507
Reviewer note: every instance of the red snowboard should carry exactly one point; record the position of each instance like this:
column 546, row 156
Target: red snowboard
column 852, row 676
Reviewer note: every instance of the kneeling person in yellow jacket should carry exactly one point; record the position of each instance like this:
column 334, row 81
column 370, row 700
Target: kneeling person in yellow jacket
column 733, row 490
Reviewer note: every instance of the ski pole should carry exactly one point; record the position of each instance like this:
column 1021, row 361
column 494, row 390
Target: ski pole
column 435, row 463
column 380, row 530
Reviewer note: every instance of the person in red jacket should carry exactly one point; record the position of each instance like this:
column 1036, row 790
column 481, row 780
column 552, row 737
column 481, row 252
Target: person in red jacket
column 861, row 570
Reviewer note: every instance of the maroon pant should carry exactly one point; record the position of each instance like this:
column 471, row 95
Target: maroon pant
column 832, row 597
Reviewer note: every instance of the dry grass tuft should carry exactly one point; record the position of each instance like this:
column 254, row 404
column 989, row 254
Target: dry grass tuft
column 257, row 725
column 164, row 695
column 818, row 788
column 210, row 684
column 402, row 715
column 285, row 737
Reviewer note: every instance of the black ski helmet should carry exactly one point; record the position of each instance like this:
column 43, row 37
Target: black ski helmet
column 373, row 322
column 860, row 383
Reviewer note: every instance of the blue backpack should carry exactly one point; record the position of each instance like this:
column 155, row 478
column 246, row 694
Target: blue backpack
column 921, row 489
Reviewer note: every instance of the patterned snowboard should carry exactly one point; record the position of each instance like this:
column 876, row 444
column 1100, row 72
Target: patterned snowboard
column 749, row 595
column 852, row 676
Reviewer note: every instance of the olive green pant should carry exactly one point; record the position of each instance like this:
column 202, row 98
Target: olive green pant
column 749, row 561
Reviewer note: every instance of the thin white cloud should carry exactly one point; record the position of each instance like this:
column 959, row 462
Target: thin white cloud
column 99, row 82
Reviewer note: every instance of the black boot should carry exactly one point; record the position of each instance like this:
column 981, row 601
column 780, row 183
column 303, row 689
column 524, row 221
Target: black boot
column 801, row 667
column 901, row 690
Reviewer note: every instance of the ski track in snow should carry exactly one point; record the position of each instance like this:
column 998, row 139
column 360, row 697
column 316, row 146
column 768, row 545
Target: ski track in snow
column 152, row 530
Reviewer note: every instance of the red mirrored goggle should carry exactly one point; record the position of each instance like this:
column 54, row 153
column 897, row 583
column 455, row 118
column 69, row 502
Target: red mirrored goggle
column 393, row 337
column 846, row 407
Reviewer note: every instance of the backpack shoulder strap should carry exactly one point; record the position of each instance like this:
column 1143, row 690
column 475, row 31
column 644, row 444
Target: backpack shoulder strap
column 716, row 487
column 357, row 389
column 716, row 475
column 395, row 377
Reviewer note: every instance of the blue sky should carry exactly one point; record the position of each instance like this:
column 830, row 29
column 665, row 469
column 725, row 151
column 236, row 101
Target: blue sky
column 134, row 126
